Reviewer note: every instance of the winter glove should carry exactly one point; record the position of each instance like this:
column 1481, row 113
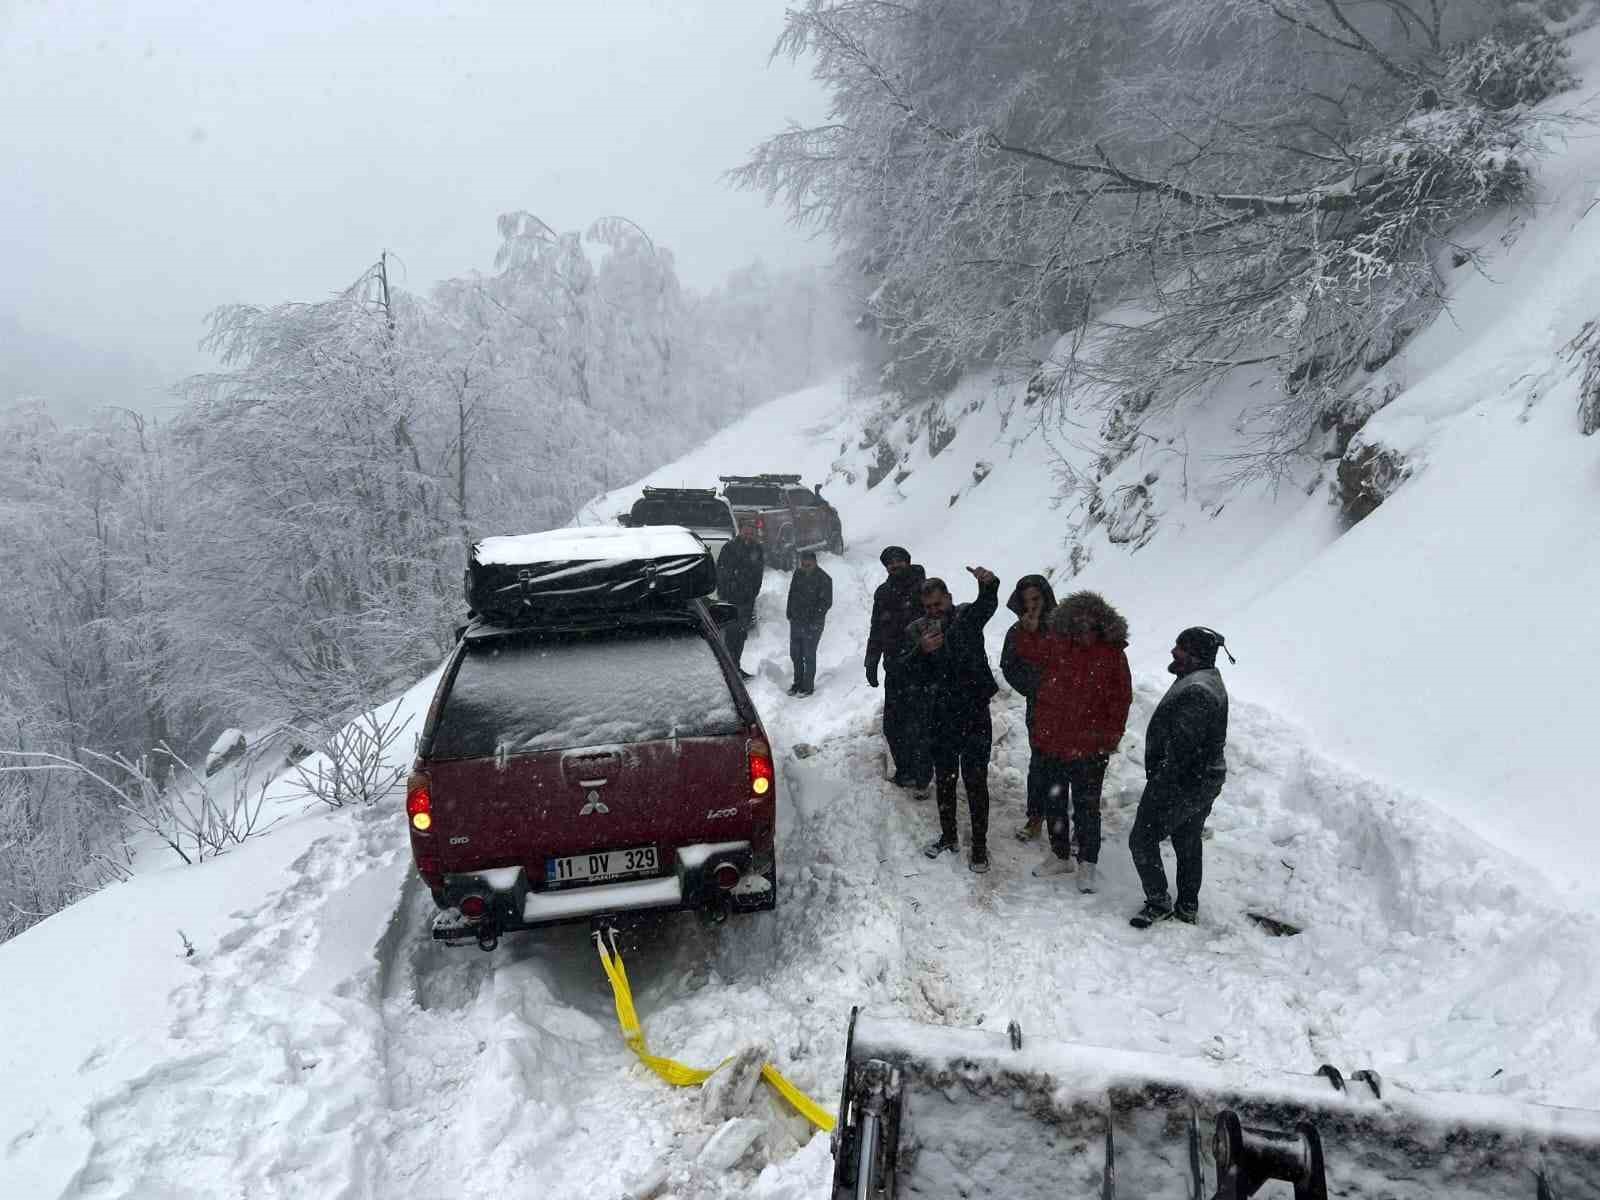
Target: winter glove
column 872, row 674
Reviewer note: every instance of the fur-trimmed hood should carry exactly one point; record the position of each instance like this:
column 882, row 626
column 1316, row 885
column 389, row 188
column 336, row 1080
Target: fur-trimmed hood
column 1111, row 625
column 1026, row 582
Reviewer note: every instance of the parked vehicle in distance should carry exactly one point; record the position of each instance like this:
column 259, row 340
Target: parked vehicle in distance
column 700, row 510
column 591, row 758
column 788, row 518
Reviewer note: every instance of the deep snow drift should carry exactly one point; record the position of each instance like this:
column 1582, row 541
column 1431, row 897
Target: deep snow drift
column 1410, row 708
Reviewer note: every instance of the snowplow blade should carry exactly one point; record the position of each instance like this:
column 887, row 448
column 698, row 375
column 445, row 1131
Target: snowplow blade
column 929, row 1111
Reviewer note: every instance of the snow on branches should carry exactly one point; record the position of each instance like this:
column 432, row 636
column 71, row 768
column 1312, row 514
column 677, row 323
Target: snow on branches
column 1234, row 180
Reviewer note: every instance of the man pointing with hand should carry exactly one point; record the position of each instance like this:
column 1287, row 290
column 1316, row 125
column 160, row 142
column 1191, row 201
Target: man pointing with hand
column 945, row 650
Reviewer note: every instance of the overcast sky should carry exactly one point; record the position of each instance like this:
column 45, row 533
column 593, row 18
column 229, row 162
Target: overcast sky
column 161, row 157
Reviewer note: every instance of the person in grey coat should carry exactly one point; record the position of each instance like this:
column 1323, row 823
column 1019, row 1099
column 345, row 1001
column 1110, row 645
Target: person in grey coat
column 1184, row 773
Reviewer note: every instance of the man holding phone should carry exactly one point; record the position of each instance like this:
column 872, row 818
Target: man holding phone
column 945, row 649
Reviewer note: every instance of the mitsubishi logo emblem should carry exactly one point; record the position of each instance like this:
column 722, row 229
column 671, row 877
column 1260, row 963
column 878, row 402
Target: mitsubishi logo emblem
column 593, row 804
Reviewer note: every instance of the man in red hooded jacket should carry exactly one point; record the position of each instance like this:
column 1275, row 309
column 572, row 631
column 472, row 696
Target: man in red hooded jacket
column 1080, row 713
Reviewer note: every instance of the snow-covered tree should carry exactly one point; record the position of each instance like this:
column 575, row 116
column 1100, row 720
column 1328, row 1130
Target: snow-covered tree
column 1216, row 180
column 323, row 518
column 290, row 546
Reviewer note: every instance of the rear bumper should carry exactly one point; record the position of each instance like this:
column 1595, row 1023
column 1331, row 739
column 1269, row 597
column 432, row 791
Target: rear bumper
column 514, row 904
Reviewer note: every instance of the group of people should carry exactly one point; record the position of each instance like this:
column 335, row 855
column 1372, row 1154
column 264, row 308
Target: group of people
column 1069, row 662
column 740, row 569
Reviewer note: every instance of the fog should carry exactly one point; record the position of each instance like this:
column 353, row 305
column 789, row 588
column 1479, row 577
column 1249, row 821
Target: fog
column 159, row 159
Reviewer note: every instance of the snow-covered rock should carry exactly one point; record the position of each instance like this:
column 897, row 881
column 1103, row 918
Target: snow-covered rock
column 730, row 1143
column 230, row 746
column 728, row 1093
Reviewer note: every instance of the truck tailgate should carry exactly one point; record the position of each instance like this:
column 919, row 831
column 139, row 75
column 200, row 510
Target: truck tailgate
column 526, row 808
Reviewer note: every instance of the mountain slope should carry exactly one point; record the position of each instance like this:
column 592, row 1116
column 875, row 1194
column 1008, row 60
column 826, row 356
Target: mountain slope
column 1410, row 699
column 1444, row 643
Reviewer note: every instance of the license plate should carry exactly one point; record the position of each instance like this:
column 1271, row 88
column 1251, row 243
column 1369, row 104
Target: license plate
column 602, row 864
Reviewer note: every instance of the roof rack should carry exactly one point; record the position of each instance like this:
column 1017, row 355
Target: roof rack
column 682, row 493
column 776, row 480
column 481, row 628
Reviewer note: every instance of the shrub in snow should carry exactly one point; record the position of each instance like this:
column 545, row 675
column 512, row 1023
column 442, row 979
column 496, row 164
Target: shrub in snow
column 1515, row 65
column 161, row 795
column 1586, row 347
column 1129, row 519
column 360, row 763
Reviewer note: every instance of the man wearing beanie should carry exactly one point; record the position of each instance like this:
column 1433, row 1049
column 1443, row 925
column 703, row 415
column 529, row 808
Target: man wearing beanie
column 897, row 603
column 1184, row 772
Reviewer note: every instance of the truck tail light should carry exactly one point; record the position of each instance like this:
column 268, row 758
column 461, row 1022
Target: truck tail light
column 762, row 776
column 419, row 801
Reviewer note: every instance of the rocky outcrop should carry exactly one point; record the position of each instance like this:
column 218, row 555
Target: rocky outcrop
column 941, row 432
column 1345, row 417
column 885, row 461
column 1368, row 474
column 229, row 747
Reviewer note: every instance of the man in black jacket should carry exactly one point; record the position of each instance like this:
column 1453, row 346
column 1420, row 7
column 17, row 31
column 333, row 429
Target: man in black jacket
column 945, row 649
column 1184, row 772
column 810, row 598
column 896, row 603
column 1033, row 600
column 740, row 567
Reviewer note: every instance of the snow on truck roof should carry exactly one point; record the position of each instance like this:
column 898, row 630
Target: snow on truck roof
column 590, row 542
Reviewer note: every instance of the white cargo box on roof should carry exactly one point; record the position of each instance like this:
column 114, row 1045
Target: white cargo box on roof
column 588, row 543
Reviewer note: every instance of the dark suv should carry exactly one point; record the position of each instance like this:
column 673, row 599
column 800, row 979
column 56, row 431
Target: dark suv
column 699, row 510
column 788, row 518
column 592, row 766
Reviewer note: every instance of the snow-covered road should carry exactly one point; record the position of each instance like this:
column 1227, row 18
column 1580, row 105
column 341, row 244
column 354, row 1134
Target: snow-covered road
column 326, row 1047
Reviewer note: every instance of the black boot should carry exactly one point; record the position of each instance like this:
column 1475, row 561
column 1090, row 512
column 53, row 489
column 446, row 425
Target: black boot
column 1150, row 914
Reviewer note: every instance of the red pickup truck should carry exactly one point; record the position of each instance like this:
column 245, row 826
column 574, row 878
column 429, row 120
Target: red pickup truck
column 788, row 518
column 580, row 763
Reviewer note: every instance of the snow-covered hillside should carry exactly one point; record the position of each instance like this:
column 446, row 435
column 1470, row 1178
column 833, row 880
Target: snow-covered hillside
column 1408, row 765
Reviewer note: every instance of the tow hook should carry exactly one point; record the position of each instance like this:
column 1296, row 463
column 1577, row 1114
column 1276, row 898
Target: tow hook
column 716, row 909
column 488, row 937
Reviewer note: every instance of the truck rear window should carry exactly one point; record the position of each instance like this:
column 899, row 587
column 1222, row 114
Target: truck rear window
column 556, row 692
column 753, row 497
column 693, row 514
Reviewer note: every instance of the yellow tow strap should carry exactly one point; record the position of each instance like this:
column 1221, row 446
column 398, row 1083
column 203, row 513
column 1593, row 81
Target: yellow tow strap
column 677, row 1073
